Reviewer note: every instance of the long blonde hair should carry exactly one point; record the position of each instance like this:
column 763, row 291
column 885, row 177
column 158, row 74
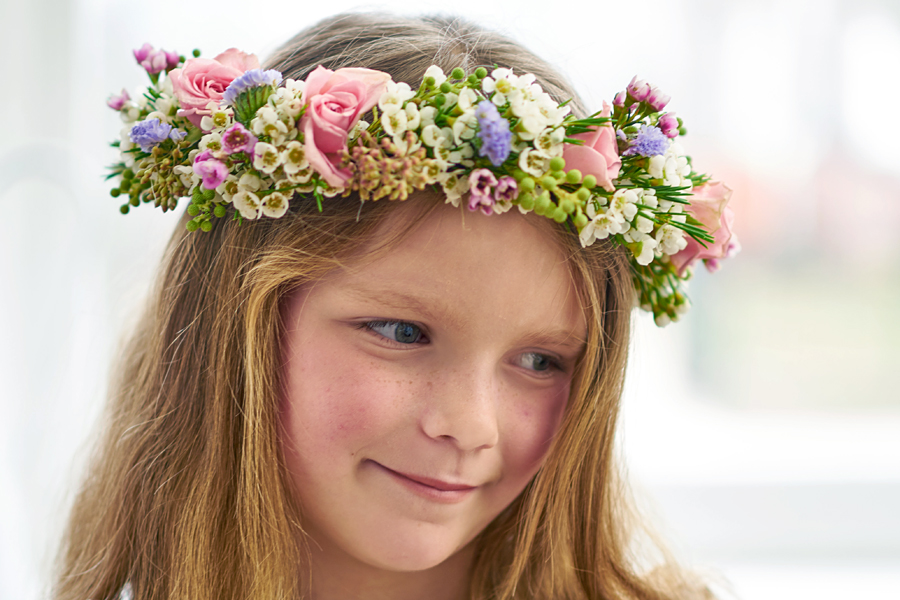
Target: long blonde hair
column 187, row 496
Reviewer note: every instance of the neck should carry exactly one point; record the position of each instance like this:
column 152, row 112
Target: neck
column 337, row 576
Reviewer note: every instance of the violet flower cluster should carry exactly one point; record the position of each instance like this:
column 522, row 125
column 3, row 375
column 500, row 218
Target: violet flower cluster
column 494, row 133
column 150, row 132
column 250, row 79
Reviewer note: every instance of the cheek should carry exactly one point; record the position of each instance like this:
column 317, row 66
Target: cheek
column 336, row 402
column 529, row 428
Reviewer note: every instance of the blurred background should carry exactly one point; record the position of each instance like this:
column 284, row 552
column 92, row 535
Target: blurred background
column 763, row 431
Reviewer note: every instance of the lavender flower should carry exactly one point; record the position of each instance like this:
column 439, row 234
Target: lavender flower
column 150, row 132
column 250, row 79
column 238, row 139
column 481, row 185
column 650, row 141
column 494, row 133
column 507, row 189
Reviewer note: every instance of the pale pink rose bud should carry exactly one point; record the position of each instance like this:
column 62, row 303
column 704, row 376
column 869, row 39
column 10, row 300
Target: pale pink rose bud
column 620, row 98
column 638, row 89
column 668, row 124
column 117, row 102
column 141, row 54
column 172, row 60
column 657, row 99
column 155, row 62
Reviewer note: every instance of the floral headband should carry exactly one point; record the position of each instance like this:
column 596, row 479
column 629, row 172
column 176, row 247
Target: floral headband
column 240, row 140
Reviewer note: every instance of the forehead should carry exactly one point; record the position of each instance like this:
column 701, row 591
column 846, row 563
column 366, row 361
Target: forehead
column 507, row 268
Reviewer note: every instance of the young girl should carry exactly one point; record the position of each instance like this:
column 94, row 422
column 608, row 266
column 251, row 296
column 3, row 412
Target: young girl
column 337, row 397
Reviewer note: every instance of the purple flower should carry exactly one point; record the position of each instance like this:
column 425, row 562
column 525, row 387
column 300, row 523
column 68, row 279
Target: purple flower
column 172, row 60
column 650, row 141
column 155, row 62
column 117, row 102
column 638, row 89
column 213, row 172
column 151, row 132
column 657, row 99
column 238, row 138
column 620, row 98
column 250, row 79
column 141, row 54
column 494, row 133
column 507, row 189
column 481, row 184
column 668, row 123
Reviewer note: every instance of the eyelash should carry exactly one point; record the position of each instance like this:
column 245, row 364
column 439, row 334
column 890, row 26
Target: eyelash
column 552, row 362
column 371, row 326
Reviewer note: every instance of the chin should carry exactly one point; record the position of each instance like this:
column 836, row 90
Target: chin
column 413, row 546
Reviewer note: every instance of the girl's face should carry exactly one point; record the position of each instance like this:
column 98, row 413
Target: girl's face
column 423, row 389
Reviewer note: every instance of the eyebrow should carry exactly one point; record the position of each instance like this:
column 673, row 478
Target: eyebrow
column 430, row 307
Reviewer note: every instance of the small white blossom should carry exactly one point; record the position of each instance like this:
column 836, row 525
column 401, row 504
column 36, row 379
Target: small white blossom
column 407, row 144
column 228, row 188
column 643, row 224
column 550, row 141
column 300, row 177
column 267, row 123
column 393, row 97
column 129, row 113
column 249, row 182
column 413, row 118
column 643, row 246
column 293, row 158
column 455, row 185
column 533, row 162
column 461, row 155
column 247, row 203
column 219, row 120
column 211, row 142
column 186, row 175
column 426, row 115
column 436, row 137
column 358, row 129
column 295, row 87
column 465, row 126
column 467, row 99
column 274, row 205
column 394, row 124
column 451, row 100
column 670, row 239
column 266, row 157
column 163, row 118
column 436, row 72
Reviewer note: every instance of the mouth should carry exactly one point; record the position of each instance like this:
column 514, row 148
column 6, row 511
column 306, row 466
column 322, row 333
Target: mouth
column 433, row 489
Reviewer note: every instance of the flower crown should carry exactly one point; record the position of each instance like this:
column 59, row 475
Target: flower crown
column 225, row 133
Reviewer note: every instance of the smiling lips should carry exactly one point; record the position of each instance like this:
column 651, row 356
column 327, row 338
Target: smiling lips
column 432, row 489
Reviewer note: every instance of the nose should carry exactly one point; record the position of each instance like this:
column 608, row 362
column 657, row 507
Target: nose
column 462, row 409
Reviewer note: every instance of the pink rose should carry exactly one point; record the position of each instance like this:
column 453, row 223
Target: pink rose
column 203, row 80
column 599, row 156
column 336, row 100
column 708, row 205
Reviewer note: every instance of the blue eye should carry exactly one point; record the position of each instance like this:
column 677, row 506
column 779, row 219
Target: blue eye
column 397, row 331
column 535, row 361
